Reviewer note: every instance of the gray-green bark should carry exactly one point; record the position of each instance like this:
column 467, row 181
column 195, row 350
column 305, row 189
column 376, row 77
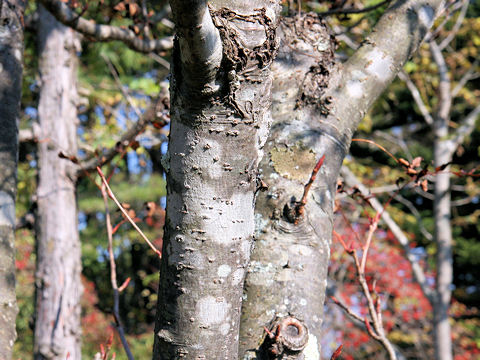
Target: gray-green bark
column 287, row 272
column 220, row 100
column 57, row 279
column 299, row 253
column 11, row 58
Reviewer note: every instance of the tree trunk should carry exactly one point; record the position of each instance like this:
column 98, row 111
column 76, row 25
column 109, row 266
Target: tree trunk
column 443, row 240
column 11, row 57
column 288, row 268
column 58, row 285
column 443, row 150
column 220, row 100
column 288, row 272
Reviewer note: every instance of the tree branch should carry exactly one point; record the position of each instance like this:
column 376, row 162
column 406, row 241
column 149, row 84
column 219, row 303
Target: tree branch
column 444, row 91
column 199, row 40
column 416, row 97
column 104, row 32
column 467, row 125
column 415, row 213
column 376, row 63
column 148, row 116
column 113, row 277
column 469, row 75
column 456, row 27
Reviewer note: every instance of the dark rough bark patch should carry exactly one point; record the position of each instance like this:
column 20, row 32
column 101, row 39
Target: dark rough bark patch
column 311, row 31
column 239, row 62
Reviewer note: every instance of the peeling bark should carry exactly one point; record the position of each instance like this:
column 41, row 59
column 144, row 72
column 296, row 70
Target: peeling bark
column 57, row 279
column 220, row 100
column 11, row 57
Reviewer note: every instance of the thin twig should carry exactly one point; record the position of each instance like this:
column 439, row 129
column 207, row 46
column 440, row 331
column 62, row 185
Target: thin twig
column 416, row 97
column 373, row 228
column 417, row 270
column 300, row 207
column 456, row 27
column 346, row 309
column 377, row 145
column 469, row 75
column 151, row 114
column 113, row 277
column 379, row 333
column 126, row 95
column 125, row 213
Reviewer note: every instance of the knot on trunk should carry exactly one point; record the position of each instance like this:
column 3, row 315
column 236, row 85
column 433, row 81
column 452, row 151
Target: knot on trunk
column 287, row 336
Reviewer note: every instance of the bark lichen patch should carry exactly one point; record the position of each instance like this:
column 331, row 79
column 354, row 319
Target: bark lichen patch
column 224, row 270
column 238, row 276
column 224, row 328
column 379, row 64
column 294, row 162
column 211, row 311
column 355, row 89
column 7, row 209
column 224, row 219
column 311, row 350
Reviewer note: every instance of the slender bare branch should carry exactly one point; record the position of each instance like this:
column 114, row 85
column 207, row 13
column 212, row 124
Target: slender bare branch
column 113, row 278
column 442, row 115
column 347, row 309
column 415, row 213
column 125, row 213
column 152, row 113
column 199, row 40
column 416, row 97
column 105, row 32
column 126, row 95
column 469, row 75
column 417, row 270
column 456, row 27
column 467, row 125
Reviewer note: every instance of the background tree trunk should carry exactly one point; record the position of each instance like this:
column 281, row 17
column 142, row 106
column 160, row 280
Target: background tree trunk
column 220, row 100
column 443, row 150
column 11, row 57
column 58, row 285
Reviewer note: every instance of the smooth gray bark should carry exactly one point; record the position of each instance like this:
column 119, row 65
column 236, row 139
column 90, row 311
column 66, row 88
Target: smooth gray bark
column 444, row 257
column 324, row 126
column 442, row 155
column 220, row 100
column 287, row 272
column 11, row 58
column 57, row 279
